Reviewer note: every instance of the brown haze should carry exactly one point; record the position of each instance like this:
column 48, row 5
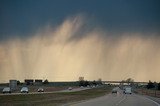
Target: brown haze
column 60, row 54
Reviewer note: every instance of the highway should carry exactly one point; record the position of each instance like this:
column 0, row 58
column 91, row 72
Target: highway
column 119, row 99
column 65, row 90
column 73, row 90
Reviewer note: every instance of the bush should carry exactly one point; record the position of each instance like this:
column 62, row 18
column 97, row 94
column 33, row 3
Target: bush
column 150, row 85
column 83, row 83
column 94, row 83
column 18, row 82
column 158, row 86
column 45, row 81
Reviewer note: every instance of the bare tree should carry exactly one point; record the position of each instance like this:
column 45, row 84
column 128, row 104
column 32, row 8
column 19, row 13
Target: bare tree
column 129, row 81
column 81, row 78
column 46, row 81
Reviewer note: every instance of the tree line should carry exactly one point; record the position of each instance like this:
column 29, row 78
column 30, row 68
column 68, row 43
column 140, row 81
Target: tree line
column 153, row 85
column 86, row 83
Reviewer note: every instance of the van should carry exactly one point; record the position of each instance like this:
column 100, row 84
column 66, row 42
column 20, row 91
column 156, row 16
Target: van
column 128, row 90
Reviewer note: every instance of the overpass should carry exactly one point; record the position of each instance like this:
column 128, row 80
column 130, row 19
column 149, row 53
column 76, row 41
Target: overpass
column 136, row 82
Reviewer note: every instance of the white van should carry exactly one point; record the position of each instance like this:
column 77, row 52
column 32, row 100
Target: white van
column 128, row 90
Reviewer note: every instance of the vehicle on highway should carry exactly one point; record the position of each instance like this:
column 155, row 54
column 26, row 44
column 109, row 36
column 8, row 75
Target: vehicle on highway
column 93, row 86
column 70, row 88
column 6, row 90
column 40, row 90
column 114, row 90
column 81, row 87
column 88, row 86
column 24, row 90
column 128, row 90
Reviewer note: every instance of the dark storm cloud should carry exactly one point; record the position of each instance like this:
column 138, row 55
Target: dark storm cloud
column 94, row 55
column 21, row 18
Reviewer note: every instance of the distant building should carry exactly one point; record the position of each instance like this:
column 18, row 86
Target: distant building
column 13, row 84
column 29, row 81
column 38, row 81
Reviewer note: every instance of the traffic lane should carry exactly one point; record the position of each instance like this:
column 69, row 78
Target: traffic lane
column 74, row 90
column 119, row 99
column 136, row 100
column 107, row 100
column 154, row 98
column 66, row 90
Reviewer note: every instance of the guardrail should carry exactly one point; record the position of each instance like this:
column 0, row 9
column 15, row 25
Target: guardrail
column 154, row 93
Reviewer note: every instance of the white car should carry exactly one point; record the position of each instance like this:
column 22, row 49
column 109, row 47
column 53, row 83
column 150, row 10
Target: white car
column 40, row 90
column 6, row 90
column 70, row 88
column 81, row 87
column 24, row 90
column 128, row 90
column 114, row 91
column 93, row 86
column 88, row 86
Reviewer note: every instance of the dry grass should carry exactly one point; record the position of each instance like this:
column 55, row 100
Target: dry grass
column 149, row 92
column 52, row 99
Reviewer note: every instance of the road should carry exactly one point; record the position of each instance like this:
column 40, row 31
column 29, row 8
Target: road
column 119, row 99
column 65, row 90
column 73, row 90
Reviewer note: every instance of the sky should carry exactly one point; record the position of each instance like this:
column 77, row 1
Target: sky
column 62, row 40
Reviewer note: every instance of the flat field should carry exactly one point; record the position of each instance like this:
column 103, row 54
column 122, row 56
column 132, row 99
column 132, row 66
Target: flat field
column 52, row 99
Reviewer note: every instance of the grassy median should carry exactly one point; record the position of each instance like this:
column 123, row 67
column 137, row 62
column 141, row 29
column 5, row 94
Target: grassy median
column 52, row 99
